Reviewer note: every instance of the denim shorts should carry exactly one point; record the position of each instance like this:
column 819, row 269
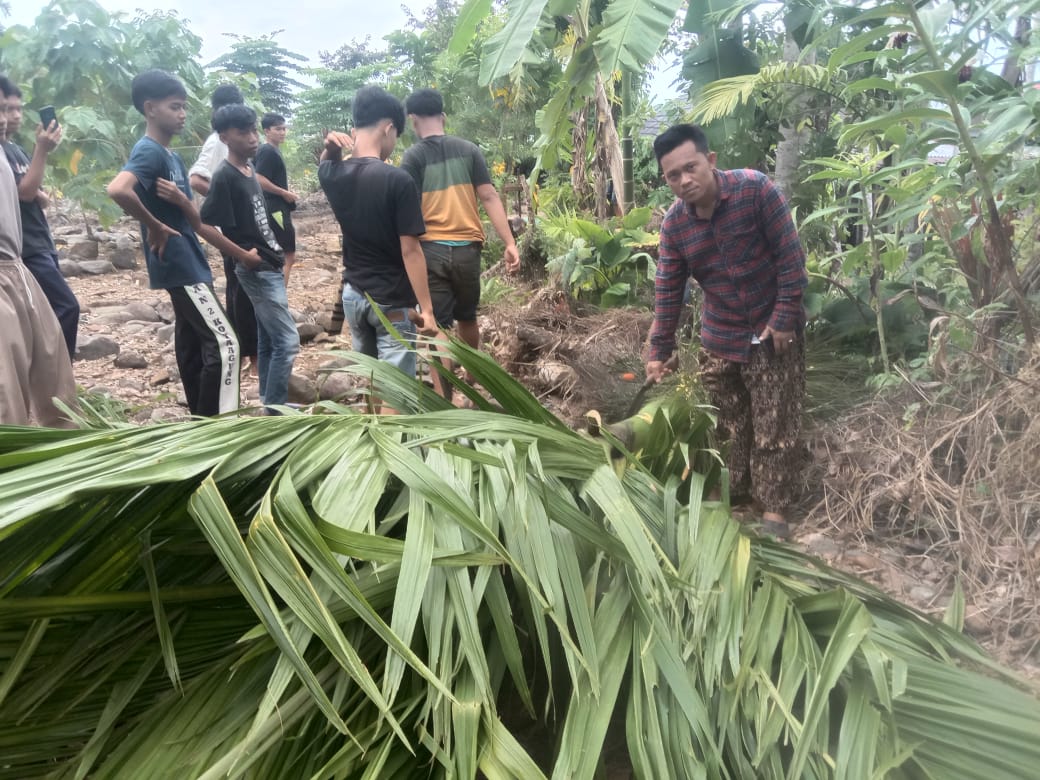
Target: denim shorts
column 370, row 337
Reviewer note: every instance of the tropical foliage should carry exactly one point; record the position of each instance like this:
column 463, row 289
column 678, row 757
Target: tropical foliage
column 81, row 59
column 445, row 594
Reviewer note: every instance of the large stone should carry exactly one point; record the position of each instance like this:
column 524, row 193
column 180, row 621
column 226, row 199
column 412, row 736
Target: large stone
column 302, row 390
column 130, row 360
column 96, row 347
column 96, row 267
column 83, row 248
column 143, row 312
column 122, row 254
column 336, row 386
column 112, row 315
column 308, row 330
column 161, row 377
column 165, row 333
column 165, row 310
column 69, row 268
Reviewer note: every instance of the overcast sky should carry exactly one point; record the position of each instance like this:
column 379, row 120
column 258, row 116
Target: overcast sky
column 309, row 26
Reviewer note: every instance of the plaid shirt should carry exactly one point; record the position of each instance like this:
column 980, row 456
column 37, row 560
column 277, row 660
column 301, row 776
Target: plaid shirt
column 747, row 258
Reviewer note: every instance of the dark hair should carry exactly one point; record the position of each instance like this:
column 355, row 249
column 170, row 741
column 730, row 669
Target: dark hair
column 425, row 102
column 155, row 85
column 9, row 88
column 226, row 95
column 373, row 104
column 676, row 136
column 234, row 115
column 272, row 120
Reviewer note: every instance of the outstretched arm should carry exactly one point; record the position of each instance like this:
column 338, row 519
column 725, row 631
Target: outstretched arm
column 171, row 193
column 497, row 214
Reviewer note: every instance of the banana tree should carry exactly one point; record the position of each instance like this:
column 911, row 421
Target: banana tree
column 598, row 43
column 449, row 593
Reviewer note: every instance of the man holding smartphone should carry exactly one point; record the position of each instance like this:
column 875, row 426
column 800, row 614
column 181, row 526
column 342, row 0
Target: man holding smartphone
column 38, row 251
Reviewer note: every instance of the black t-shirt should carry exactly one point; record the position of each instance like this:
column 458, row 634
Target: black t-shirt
column 375, row 204
column 269, row 164
column 235, row 204
column 36, row 233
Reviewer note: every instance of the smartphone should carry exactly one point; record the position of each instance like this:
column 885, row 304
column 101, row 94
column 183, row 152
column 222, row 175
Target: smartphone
column 47, row 116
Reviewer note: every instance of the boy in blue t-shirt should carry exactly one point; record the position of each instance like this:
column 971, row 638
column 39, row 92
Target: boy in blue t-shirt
column 146, row 188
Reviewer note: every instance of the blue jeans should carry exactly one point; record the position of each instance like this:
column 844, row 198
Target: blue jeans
column 277, row 340
column 370, row 337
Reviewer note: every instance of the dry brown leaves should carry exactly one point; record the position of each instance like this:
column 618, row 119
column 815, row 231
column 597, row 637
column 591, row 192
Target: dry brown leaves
column 950, row 476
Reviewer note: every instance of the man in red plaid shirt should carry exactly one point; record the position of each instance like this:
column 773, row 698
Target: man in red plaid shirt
column 732, row 232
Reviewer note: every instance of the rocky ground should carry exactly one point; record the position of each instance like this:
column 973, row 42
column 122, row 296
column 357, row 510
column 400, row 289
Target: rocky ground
column 125, row 349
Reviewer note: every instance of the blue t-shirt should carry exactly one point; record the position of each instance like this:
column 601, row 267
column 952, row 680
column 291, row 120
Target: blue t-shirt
column 184, row 261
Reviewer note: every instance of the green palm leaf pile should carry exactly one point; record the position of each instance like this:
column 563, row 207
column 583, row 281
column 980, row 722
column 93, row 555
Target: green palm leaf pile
column 448, row 594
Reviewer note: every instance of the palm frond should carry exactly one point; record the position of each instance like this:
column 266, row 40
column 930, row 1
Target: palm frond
column 440, row 594
column 722, row 98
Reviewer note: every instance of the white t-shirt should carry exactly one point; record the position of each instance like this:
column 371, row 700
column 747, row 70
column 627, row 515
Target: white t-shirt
column 213, row 153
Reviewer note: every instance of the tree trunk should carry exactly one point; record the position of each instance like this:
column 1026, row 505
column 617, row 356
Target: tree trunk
column 608, row 144
column 579, row 170
column 1012, row 70
column 789, row 149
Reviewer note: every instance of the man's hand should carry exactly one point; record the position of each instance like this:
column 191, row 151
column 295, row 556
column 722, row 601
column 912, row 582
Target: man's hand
column 171, row 193
column 157, row 238
column 656, row 370
column 782, row 339
column 425, row 323
column 42, row 199
column 48, row 139
column 290, row 197
column 511, row 258
column 336, row 141
column 250, row 259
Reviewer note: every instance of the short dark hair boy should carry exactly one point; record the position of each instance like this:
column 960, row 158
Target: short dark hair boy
column 377, row 207
column 153, row 187
column 225, row 95
column 274, row 181
column 373, row 104
column 235, row 204
column 234, row 115
column 425, row 102
column 155, row 85
column 270, row 120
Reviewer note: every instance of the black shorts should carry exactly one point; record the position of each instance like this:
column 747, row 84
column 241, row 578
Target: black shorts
column 284, row 232
column 454, row 278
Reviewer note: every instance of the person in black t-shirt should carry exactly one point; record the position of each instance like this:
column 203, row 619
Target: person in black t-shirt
column 274, row 181
column 38, row 251
column 377, row 207
column 235, row 204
